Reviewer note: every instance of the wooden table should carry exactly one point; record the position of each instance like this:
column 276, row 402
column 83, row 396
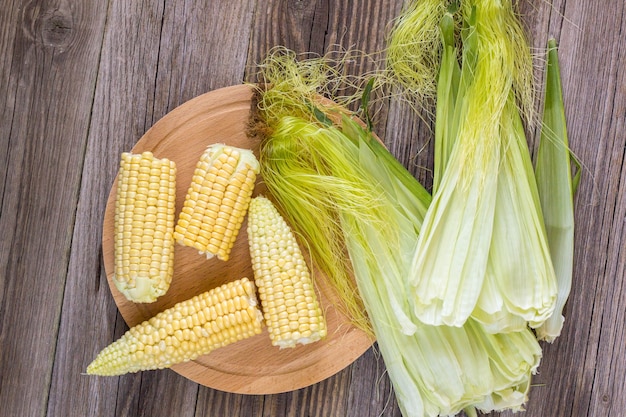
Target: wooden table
column 80, row 82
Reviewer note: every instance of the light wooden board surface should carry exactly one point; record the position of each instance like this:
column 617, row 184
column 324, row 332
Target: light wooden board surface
column 80, row 82
column 251, row 366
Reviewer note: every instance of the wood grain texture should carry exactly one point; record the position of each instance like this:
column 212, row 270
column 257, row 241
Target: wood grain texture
column 50, row 112
column 81, row 82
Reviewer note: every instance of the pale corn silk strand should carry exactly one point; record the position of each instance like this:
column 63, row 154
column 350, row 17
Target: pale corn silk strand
column 414, row 48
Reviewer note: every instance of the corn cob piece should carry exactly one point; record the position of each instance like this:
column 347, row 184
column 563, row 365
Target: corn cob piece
column 187, row 330
column 217, row 200
column 288, row 300
column 144, row 226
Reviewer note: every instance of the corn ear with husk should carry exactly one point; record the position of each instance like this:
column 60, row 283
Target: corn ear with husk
column 485, row 199
column 520, row 267
column 333, row 179
column 556, row 187
column 447, row 280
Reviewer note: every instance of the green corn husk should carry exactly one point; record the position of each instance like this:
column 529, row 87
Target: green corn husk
column 451, row 84
column 520, row 267
column 435, row 370
column 556, row 191
column 336, row 183
column 483, row 249
column 463, row 200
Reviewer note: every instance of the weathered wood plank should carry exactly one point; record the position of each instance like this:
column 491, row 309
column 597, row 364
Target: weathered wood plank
column 156, row 394
column 602, row 387
column 122, row 111
column 10, row 153
column 9, row 14
column 327, row 398
column 409, row 137
column 590, row 60
column 371, row 393
column 296, row 25
column 217, row 403
column 52, row 78
column 204, row 46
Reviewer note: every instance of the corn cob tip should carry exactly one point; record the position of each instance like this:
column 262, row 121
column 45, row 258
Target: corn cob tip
column 217, row 200
column 246, row 156
column 187, row 330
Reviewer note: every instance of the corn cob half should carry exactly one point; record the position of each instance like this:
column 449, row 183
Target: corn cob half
column 191, row 328
column 288, row 300
column 217, row 200
column 144, row 226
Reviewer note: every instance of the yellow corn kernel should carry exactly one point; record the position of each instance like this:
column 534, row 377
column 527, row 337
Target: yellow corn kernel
column 217, row 200
column 144, row 226
column 288, row 300
column 184, row 331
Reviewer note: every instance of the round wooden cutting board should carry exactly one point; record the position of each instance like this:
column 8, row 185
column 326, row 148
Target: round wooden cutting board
column 251, row 366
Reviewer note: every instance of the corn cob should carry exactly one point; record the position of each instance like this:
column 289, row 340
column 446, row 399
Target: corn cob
column 144, row 226
column 290, row 307
column 217, row 200
column 185, row 331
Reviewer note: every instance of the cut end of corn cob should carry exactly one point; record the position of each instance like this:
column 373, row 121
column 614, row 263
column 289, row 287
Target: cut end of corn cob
column 185, row 331
column 217, row 200
column 289, row 303
column 144, row 226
